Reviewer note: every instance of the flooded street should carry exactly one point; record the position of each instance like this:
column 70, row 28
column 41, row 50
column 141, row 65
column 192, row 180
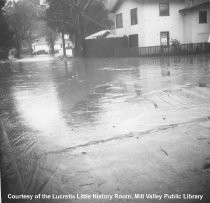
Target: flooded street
column 70, row 121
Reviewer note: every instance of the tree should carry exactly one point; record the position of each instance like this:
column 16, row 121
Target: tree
column 78, row 18
column 21, row 15
column 57, row 19
column 5, row 33
column 51, row 36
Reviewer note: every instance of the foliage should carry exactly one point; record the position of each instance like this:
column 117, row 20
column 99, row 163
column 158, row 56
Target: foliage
column 97, row 18
column 21, row 15
column 2, row 4
column 78, row 18
column 175, row 42
column 5, row 32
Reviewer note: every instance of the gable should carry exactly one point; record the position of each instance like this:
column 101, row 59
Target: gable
column 118, row 3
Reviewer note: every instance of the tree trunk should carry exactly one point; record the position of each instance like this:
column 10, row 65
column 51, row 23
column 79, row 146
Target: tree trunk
column 83, row 47
column 30, row 44
column 52, row 49
column 64, row 45
column 18, row 50
column 82, row 36
column 31, row 49
column 4, row 52
column 77, row 47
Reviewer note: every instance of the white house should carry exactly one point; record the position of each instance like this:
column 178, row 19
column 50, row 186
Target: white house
column 58, row 46
column 196, row 24
column 42, row 46
column 156, row 22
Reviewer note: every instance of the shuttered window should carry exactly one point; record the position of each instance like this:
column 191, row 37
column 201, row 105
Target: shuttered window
column 164, row 9
column 119, row 20
column 203, row 17
column 134, row 18
column 133, row 40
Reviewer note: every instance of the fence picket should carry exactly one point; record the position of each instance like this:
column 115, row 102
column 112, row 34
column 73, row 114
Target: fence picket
column 118, row 47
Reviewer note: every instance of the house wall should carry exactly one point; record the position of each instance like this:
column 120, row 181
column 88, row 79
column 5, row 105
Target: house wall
column 127, row 28
column 69, row 52
column 44, row 47
column 154, row 24
column 57, row 46
column 150, row 24
column 193, row 31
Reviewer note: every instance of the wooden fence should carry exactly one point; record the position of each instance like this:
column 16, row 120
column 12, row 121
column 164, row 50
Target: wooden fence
column 181, row 49
column 119, row 47
column 105, row 47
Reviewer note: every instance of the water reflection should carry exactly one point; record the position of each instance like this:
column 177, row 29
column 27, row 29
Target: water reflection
column 73, row 97
column 39, row 109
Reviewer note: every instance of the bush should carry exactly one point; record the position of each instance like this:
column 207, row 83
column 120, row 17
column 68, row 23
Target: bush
column 176, row 45
column 3, row 54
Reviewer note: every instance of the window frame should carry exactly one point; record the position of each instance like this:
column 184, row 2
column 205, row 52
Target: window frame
column 168, row 11
column 121, row 19
column 134, row 20
column 168, row 38
column 203, row 21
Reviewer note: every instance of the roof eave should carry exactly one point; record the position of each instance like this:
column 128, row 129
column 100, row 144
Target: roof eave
column 116, row 6
column 194, row 7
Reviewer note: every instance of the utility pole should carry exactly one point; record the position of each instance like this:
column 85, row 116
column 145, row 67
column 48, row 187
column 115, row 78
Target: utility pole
column 64, row 44
column 63, row 37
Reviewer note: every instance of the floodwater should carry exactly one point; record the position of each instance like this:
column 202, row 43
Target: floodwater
column 50, row 106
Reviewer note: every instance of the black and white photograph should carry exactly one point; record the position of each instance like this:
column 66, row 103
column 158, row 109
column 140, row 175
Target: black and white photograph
column 104, row 101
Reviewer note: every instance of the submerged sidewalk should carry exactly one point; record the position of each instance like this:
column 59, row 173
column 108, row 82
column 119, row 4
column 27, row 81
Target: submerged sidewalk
column 172, row 160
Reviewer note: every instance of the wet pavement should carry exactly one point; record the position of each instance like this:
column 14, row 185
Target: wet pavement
column 51, row 107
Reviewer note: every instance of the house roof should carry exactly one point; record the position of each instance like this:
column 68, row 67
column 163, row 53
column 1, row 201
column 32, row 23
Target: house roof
column 197, row 5
column 118, row 3
column 100, row 34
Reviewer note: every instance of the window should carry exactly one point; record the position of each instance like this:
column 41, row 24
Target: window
column 203, row 17
column 133, row 40
column 134, row 18
column 119, row 20
column 164, row 9
column 164, row 39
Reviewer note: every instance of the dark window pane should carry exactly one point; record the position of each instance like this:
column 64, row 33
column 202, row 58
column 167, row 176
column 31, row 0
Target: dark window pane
column 203, row 17
column 133, row 40
column 164, row 9
column 119, row 20
column 134, row 18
